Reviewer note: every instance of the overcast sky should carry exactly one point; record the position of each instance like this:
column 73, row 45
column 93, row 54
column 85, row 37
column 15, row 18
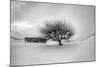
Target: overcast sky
column 28, row 17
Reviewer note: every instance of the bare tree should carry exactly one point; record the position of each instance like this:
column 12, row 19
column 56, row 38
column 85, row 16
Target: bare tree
column 57, row 31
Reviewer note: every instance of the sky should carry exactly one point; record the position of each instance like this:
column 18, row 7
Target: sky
column 28, row 17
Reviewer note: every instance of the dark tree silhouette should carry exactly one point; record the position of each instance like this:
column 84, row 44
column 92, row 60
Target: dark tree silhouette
column 57, row 31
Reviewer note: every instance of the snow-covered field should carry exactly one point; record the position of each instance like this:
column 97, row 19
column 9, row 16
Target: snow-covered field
column 23, row 53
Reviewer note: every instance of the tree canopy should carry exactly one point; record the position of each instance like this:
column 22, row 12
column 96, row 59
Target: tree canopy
column 57, row 31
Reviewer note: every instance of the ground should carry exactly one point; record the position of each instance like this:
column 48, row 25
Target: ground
column 23, row 53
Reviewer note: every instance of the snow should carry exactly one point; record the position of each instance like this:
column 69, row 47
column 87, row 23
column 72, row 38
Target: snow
column 23, row 53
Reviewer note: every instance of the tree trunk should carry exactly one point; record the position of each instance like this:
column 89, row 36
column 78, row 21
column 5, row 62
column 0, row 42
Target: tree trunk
column 60, row 44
